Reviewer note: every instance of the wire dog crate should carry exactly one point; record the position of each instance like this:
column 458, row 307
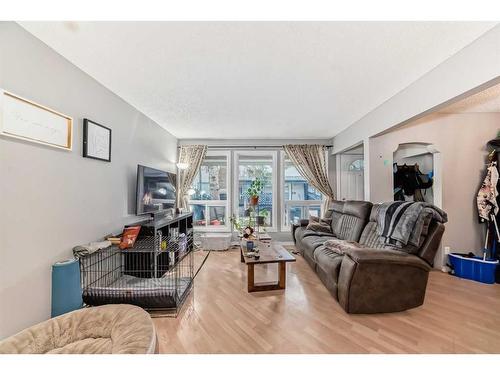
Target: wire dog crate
column 156, row 274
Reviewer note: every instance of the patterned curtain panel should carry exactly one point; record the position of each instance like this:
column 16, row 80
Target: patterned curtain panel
column 310, row 161
column 191, row 155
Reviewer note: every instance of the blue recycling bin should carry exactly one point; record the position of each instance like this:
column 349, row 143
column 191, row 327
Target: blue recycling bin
column 474, row 268
column 66, row 288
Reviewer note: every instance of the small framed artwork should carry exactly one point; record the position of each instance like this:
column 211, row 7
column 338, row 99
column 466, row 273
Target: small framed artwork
column 96, row 141
column 24, row 119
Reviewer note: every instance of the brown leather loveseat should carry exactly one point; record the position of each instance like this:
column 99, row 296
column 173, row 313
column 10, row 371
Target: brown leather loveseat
column 368, row 276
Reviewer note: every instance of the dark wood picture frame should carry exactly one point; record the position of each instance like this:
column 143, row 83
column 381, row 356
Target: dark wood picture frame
column 86, row 124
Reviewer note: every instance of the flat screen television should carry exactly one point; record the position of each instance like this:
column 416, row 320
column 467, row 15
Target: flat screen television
column 156, row 190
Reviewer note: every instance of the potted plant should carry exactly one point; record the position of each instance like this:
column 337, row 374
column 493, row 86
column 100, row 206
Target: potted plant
column 254, row 190
column 261, row 218
column 236, row 223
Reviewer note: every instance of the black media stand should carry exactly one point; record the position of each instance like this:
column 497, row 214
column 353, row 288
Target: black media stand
column 161, row 244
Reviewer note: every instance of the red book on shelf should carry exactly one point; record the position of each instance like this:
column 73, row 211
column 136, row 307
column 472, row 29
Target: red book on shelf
column 129, row 236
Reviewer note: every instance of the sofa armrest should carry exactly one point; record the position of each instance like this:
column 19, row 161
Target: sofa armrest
column 368, row 255
column 379, row 281
column 304, row 222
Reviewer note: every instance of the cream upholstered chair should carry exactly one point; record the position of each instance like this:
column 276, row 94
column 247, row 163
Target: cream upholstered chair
column 108, row 329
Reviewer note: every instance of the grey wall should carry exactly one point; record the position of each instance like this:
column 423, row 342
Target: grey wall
column 461, row 141
column 51, row 199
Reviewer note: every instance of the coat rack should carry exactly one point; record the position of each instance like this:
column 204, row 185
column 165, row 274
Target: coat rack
column 492, row 232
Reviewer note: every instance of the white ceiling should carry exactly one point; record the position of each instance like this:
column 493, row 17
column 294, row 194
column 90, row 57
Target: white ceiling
column 484, row 101
column 256, row 79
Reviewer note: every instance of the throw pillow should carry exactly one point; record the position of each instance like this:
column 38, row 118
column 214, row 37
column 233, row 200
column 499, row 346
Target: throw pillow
column 328, row 214
column 327, row 221
column 319, row 227
column 313, row 219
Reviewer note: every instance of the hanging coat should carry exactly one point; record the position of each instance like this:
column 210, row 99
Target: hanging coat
column 487, row 196
column 409, row 181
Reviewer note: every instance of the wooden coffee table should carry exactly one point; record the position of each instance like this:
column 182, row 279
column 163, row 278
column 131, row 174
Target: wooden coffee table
column 269, row 253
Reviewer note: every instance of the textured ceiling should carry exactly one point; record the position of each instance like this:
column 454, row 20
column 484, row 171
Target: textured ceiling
column 256, row 79
column 485, row 101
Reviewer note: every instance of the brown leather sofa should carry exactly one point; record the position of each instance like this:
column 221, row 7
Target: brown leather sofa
column 372, row 278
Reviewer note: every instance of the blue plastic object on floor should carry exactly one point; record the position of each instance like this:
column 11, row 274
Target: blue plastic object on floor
column 474, row 268
column 66, row 288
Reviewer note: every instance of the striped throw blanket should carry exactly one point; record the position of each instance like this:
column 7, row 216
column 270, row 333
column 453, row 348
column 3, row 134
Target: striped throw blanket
column 401, row 223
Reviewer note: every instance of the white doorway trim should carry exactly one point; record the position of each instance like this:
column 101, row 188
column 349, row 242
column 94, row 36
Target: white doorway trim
column 366, row 181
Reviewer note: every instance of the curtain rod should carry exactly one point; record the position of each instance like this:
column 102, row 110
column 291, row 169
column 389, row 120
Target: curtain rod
column 251, row 147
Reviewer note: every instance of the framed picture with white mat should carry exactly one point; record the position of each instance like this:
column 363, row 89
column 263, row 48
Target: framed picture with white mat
column 96, row 141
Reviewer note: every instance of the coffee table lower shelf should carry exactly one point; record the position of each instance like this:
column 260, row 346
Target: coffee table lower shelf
column 261, row 287
column 274, row 254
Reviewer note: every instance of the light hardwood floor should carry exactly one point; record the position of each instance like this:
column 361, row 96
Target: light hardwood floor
column 458, row 316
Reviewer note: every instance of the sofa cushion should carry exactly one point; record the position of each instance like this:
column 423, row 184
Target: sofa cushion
column 354, row 217
column 309, row 245
column 312, row 242
column 369, row 236
column 328, row 266
column 308, row 233
column 337, row 209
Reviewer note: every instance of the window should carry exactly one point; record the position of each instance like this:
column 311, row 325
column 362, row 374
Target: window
column 209, row 200
column 300, row 199
column 249, row 166
column 357, row 165
column 220, row 190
